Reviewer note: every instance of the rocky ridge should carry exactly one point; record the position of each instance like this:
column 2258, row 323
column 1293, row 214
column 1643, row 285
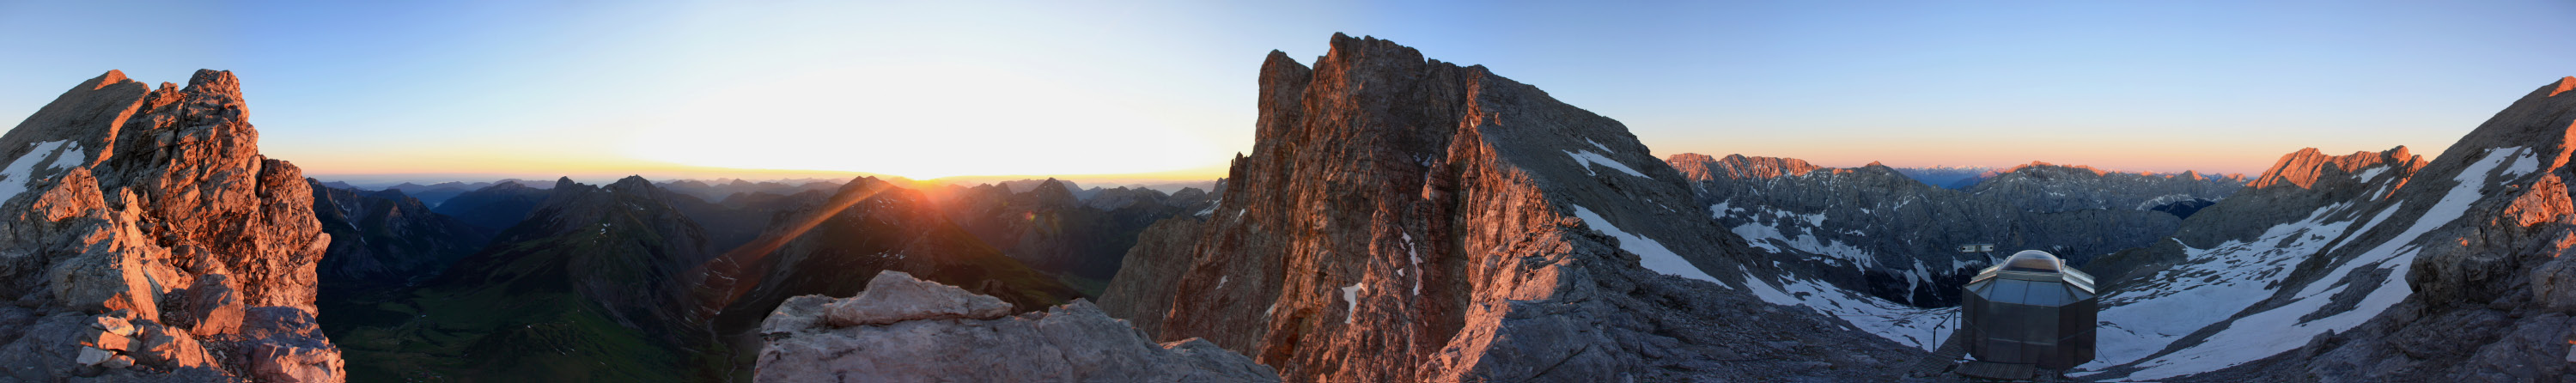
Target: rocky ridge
column 905, row 329
column 145, row 238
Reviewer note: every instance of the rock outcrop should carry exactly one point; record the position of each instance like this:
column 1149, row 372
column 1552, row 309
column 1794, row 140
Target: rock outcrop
column 902, row 329
column 1405, row 220
column 835, row 246
column 1874, row 230
column 2369, row 267
column 144, row 237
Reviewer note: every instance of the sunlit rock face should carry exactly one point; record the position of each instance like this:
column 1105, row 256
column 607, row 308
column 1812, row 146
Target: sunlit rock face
column 2374, row 266
column 1402, row 219
column 143, row 236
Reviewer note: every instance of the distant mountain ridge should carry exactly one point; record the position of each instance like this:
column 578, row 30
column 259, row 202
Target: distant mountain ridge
column 1876, row 230
column 1951, row 177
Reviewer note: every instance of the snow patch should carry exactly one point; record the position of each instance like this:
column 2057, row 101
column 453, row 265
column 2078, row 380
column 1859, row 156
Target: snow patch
column 1587, row 159
column 1918, row 327
column 22, row 171
column 1653, row 255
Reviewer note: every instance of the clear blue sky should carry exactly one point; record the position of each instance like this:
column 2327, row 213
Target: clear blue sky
column 598, row 88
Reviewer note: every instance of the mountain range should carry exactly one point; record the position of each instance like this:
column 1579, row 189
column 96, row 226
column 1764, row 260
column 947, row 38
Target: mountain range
column 1398, row 219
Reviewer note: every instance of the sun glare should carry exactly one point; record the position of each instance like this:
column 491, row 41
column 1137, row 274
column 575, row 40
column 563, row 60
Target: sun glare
column 921, row 122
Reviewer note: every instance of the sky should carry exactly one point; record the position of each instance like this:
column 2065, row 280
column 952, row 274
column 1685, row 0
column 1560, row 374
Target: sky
column 465, row 90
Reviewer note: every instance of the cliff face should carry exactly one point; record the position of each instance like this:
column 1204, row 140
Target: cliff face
column 145, row 237
column 1409, row 220
column 2370, row 266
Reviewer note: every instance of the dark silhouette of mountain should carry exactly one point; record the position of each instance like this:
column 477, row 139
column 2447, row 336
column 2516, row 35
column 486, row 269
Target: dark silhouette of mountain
column 1046, row 226
column 717, row 192
column 495, row 207
column 1949, row 177
column 587, row 288
column 386, row 239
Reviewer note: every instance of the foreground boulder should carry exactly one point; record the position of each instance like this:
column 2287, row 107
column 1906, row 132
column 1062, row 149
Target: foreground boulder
column 903, row 329
column 144, row 237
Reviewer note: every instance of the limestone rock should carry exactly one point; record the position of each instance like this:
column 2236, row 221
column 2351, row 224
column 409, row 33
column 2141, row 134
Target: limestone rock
column 290, row 347
column 902, row 298
column 1072, row 342
column 112, row 324
column 118, row 361
column 128, row 200
column 167, row 348
column 99, row 282
column 213, row 306
column 93, row 356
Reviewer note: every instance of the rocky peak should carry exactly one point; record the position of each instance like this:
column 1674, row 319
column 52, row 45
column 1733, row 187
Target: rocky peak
column 1398, row 217
column 154, row 207
column 2301, row 168
column 1053, row 193
column 632, row 184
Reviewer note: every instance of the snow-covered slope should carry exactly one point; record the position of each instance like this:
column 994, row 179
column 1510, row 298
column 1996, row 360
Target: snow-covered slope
column 2367, row 267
